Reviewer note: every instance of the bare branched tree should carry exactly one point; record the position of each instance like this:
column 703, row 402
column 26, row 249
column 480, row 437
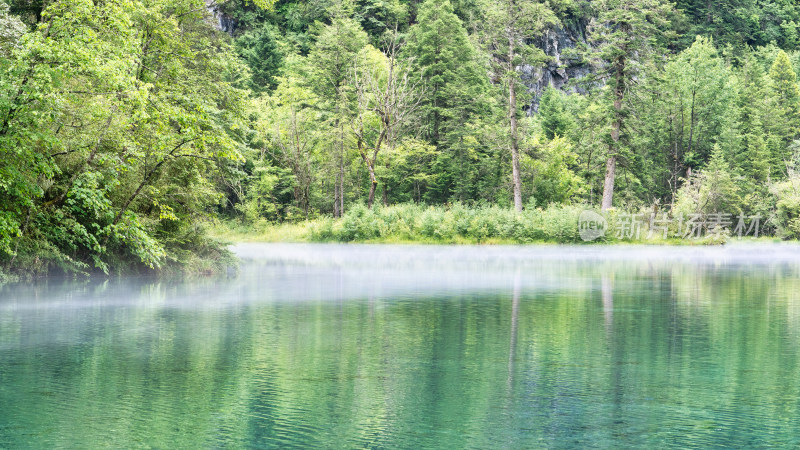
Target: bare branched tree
column 293, row 142
column 392, row 94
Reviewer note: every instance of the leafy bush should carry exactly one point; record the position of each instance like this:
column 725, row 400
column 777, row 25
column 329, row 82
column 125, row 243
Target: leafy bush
column 787, row 216
column 717, row 189
column 455, row 223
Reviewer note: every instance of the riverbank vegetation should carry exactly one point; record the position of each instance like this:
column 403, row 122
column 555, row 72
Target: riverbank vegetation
column 459, row 224
column 126, row 125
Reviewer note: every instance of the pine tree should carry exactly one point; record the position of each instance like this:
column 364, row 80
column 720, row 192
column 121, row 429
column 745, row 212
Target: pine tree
column 259, row 49
column 331, row 65
column 508, row 28
column 440, row 51
column 624, row 33
column 752, row 158
column 786, row 111
column 555, row 120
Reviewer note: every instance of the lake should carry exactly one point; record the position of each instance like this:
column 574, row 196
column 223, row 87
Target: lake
column 360, row 346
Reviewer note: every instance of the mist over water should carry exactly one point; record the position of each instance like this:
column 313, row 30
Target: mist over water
column 338, row 271
column 415, row 346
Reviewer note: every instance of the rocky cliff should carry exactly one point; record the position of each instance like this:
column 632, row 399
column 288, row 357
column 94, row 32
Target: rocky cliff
column 560, row 72
column 220, row 20
column 563, row 68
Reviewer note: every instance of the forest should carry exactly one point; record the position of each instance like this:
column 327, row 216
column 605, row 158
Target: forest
column 127, row 126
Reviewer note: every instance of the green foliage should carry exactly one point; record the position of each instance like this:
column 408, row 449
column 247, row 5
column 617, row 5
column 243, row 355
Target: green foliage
column 785, row 112
column 700, row 102
column 440, row 50
column 553, row 171
column 259, row 49
column 787, row 195
column 554, row 117
column 379, row 16
column 714, row 190
column 457, row 223
column 660, row 98
column 123, row 123
column 259, row 202
column 752, row 155
column 627, row 32
column 106, row 144
column 741, row 23
column 407, row 170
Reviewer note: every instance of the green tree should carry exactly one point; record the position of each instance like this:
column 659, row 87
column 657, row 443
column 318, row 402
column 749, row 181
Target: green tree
column 508, row 27
column 554, row 118
column 331, row 66
column 259, row 49
column 686, row 109
column 113, row 117
column 785, row 123
column 626, row 31
column 553, row 172
column 387, row 95
column 752, row 156
column 407, row 169
column 439, row 49
column 377, row 17
column 715, row 189
column 288, row 120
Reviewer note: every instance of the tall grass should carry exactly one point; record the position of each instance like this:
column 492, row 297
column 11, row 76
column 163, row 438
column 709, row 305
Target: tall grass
column 453, row 224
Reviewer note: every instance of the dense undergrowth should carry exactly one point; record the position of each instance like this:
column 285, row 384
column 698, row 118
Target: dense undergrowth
column 454, row 224
column 457, row 223
column 125, row 125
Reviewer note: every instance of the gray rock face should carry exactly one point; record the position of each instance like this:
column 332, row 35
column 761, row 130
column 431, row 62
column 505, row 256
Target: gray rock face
column 562, row 70
column 219, row 20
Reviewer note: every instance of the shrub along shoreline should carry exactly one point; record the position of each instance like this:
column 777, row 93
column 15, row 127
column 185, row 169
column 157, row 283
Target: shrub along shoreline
column 456, row 224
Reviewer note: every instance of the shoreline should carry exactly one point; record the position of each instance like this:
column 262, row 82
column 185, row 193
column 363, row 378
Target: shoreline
column 302, row 233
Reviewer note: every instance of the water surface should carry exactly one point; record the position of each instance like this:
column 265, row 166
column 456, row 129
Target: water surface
column 358, row 346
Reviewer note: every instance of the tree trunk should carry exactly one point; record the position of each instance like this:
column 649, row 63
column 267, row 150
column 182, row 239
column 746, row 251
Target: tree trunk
column 608, row 186
column 372, row 188
column 373, row 185
column 372, row 178
column 386, row 191
column 611, row 163
column 341, row 187
column 336, row 197
column 691, row 124
column 338, row 184
column 512, row 117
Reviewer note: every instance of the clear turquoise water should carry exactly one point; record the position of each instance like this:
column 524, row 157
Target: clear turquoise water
column 438, row 347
